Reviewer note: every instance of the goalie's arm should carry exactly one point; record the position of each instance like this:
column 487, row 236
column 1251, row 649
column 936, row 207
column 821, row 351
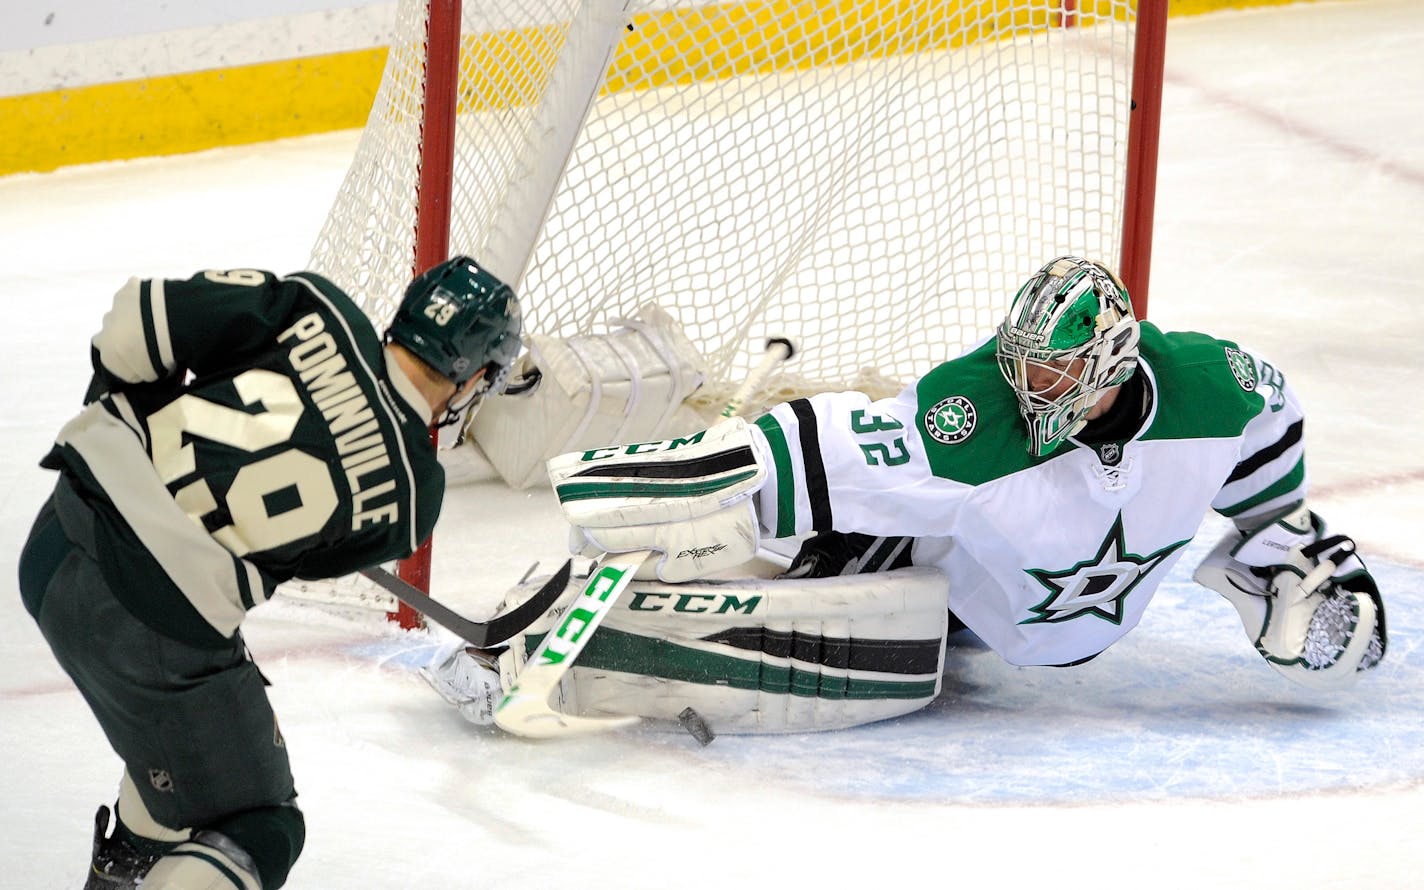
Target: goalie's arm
column 1307, row 601
column 834, row 461
column 1270, row 473
column 846, row 462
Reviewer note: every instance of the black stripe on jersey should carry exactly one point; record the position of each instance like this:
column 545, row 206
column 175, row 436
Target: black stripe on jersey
column 1269, row 453
column 710, row 465
column 884, row 656
column 150, row 333
column 816, row 491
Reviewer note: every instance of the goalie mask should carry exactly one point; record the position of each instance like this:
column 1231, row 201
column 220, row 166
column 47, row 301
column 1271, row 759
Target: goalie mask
column 457, row 317
column 1069, row 338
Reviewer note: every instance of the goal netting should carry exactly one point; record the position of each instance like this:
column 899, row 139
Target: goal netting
column 871, row 179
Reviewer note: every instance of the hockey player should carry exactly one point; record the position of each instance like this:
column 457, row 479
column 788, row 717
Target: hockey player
column 1051, row 477
column 241, row 429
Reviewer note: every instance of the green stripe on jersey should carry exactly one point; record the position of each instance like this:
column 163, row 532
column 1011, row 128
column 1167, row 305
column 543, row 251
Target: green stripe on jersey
column 150, row 331
column 785, row 480
column 1287, row 483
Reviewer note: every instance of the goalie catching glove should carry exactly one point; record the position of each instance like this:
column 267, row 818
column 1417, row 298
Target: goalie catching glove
column 1309, row 604
column 689, row 499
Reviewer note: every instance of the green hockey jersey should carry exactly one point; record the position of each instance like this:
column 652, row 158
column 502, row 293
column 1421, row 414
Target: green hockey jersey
column 1049, row 559
column 245, row 429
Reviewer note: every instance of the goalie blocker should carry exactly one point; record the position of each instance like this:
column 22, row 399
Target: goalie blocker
column 688, row 499
column 750, row 655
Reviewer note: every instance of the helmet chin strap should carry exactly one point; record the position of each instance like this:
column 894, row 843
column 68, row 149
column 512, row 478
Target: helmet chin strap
column 455, row 411
column 463, row 412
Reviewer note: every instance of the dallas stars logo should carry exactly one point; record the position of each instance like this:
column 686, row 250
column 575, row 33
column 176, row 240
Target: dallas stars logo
column 1096, row 586
column 1243, row 368
column 951, row 420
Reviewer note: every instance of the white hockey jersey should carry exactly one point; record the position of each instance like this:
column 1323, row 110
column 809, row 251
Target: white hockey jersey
column 1051, row 559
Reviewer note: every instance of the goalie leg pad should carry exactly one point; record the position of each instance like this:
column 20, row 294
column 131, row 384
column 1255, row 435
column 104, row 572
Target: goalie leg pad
column 761, row 655
column 1309, row 605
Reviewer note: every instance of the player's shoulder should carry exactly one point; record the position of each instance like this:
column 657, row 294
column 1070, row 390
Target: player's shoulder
column 324, row 292
column 1206, row 386
column 219, row 283
column 257, row 288
column 968, row 420
column 321, row 286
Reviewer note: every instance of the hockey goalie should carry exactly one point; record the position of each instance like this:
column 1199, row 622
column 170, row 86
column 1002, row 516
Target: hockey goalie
column 1035, row 491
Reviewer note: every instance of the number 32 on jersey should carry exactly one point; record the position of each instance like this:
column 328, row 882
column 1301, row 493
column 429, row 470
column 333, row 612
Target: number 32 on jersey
column 890, row 454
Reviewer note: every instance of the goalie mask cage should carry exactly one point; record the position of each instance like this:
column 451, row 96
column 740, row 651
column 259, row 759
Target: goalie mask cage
column 872, row 179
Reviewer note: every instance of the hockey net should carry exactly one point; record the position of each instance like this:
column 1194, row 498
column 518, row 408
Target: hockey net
column 872, row 179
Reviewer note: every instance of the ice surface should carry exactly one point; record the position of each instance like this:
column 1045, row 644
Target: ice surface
column 1288, row 218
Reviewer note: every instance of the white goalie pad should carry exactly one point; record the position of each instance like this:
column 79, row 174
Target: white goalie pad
column 757, row 655
column 688, row 499
column 1316, row 617
column 625, row 386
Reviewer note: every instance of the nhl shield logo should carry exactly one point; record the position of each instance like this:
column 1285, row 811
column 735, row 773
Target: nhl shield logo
column 1109, row 454
column 951, row 420
column 1242, row 367
column 160, row 780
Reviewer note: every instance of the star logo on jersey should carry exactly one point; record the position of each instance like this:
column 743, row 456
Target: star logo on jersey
column 1097, row 586
column 951, row 420
column 1243, row 368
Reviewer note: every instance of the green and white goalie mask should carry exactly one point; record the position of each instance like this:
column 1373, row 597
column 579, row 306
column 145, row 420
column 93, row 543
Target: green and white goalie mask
column 1069, row 337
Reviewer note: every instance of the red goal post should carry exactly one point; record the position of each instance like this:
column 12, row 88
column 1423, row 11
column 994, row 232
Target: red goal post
column 871, row 178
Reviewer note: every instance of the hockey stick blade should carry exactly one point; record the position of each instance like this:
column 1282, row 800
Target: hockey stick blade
column 525, row 709
column 480, row 634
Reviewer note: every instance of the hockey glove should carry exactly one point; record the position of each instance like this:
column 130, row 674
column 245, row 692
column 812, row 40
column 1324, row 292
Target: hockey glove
column 1307, row 601
column 689, row 499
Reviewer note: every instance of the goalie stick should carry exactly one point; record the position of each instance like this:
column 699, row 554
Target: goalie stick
column 481, row 634
column 525, row 710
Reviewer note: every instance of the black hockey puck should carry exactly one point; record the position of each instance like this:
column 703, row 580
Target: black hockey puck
column 696, row 726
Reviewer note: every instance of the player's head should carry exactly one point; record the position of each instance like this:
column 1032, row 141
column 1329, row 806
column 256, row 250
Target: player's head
column 459, row 319
column 1069, row 338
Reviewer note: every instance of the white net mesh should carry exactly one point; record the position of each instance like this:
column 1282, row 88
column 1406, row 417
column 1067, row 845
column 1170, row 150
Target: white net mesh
column 869, row 179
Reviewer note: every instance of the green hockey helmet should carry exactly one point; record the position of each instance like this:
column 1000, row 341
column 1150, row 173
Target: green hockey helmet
column 1070, row 337
column 458, row 317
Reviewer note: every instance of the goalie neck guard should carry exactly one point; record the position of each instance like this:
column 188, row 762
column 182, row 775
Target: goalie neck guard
column 1069, row 337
